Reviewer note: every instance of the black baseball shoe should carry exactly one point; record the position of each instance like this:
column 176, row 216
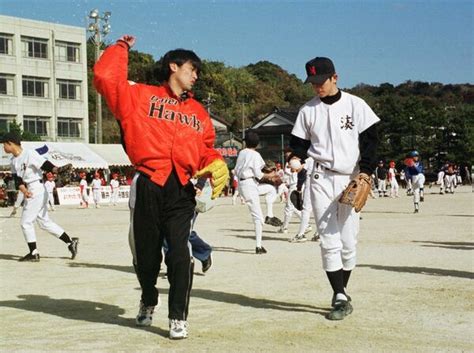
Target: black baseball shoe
column 260, row 250
column 73, row 247
column 341, row 309
column 206, row 264
column 273, row 221
column 422, row 199
column 30, row 257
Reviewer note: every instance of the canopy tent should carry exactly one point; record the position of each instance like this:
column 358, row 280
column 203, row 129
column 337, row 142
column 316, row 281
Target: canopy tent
column 112, row 153
column 62, row 153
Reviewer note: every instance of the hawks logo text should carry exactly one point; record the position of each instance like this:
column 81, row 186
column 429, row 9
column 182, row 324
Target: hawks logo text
column 157, row 110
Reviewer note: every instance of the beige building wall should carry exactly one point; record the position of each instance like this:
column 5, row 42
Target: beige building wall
column 60, row 73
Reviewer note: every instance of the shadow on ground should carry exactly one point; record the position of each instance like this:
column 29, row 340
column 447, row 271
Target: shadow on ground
column 422, row 271
column 75, row 309
column 446, row 245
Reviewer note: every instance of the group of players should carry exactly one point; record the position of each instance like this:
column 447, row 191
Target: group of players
column 169, row 138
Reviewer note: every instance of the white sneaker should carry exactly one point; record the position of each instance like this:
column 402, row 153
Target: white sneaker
column 178, row 329
column 145, row 314
column 283, row 230
column 308, row 229
column 298, row 238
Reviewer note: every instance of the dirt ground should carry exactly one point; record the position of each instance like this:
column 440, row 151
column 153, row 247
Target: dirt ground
column 412, row 289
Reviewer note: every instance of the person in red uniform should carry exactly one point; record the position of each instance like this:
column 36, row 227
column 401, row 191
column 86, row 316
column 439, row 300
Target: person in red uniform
column 169, row 138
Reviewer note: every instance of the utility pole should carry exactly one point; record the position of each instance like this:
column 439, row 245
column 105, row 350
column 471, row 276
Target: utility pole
column 98, row 36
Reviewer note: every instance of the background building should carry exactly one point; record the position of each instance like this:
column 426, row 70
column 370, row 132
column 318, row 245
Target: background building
column 43, row 79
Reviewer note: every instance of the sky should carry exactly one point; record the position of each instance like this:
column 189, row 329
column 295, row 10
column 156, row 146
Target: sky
column 370, row 41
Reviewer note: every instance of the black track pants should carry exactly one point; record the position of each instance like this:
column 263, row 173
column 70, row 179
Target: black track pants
column 163, row 213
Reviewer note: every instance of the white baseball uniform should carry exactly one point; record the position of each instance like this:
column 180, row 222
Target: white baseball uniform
column 114, row 186
column 49, row 185
column 248, row 169
column 334, row 134
column 96, row 186
column 292, row 181
column 27, row 166
column 307, row 207
column 83, row 189
column 393, row 182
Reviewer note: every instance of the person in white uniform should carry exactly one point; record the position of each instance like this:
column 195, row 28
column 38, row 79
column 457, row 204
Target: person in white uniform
column 248, row 169
column 114, row 189
column 96, row 186
column 392, row 178
column 414, row 172
column 83, row 190
column 49, row 185
column 27, row 167
column 303, row 186
column 291, row 178
column 337, row 130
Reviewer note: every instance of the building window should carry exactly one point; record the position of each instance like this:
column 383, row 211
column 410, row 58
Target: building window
column 5, row 121
column 34, row 47
column 7, row 84
column 35, row 87
column 66, row 51
column 69, row 127
column 6, row 44
column 68, row 89
column 37, row 125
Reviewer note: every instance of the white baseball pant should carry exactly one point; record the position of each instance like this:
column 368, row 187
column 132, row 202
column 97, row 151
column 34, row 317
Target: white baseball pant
column 417, row 182
column 338, row 224
column 251, row 191
column 36, row 209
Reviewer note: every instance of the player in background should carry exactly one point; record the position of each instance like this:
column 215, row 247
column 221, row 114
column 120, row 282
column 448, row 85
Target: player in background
column 381, row 175
column 414, row 172
column 84, row 197
column 338, row 130
column 50, row 185
column 303, row 187
column 27, row 167
column 392, row 178
column 96, row 186
column 248, row 169
column 114, row 189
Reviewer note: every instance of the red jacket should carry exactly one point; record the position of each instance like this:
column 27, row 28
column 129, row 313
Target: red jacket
column 161, row 131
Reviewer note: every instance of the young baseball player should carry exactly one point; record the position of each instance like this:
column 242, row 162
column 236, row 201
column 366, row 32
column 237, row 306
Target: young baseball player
column 291, row 178
column 83, row 190
column 114, row 189
column 414, row 172
column 303, row 186
column 96, row 186
column 381, row 175
column 169, row 138
column 248, row 169
column 27, row 168
column 392, row 178
column 337, row 130
column 49, row 185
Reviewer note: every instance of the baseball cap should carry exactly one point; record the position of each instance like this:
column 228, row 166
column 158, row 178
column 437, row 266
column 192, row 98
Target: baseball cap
column 414, row 154
column 319, row 70
column 11, row 136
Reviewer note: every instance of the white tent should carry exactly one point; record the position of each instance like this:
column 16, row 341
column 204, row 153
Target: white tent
column 62, row 153
column 112, row 153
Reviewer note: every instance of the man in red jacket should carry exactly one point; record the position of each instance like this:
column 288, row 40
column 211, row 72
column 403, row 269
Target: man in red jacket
column 169, row 138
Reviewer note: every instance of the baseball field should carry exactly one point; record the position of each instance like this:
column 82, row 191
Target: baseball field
column 412, row 290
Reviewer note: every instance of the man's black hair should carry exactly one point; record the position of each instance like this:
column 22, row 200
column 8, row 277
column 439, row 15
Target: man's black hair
column 251, row 139
column 179, row 57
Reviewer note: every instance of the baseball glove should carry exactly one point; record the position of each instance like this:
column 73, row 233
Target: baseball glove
column 356, row 192
column 296, row 199
column 271, row 178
